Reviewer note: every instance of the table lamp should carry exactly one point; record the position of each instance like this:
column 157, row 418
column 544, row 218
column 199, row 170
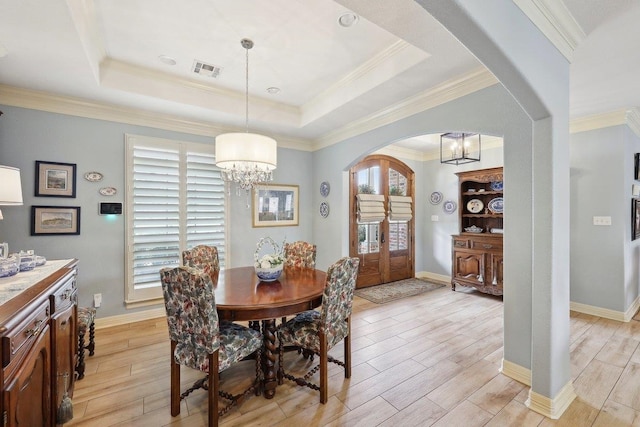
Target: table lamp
column 10, row 187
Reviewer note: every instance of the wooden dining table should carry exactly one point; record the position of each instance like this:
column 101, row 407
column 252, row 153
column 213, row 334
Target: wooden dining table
column 241, row 296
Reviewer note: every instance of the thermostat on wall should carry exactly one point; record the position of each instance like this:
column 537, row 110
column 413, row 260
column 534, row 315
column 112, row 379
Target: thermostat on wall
column 110, row 208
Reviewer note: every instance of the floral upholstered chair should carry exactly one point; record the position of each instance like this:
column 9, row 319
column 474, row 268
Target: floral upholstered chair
column 203, row 257
column 200, row 341
column 320, row 331
column 300, row 254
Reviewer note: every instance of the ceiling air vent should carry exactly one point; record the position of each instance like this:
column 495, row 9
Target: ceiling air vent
column 206, row 70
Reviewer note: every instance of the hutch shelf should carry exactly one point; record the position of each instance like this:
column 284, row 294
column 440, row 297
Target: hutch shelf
column 477, row 257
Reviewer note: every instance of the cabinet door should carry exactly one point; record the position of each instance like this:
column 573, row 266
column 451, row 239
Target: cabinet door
column 468, row 267
column 27, row 398
column 64, row 337
column 496, row 267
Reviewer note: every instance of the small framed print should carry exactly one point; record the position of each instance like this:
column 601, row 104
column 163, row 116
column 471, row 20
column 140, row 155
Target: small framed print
column 55, row 179
column 55, row 220
column 275, row 205
column 635, row 219
column 636, row 167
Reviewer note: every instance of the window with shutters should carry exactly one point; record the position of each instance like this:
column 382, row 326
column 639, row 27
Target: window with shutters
column 175, row 200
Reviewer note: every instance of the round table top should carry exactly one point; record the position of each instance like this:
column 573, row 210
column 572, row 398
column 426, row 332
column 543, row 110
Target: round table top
column 240, row 295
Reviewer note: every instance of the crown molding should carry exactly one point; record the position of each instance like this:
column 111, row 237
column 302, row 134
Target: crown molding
column 398, row 57
column 555, row 21
column 629, row 117
column 445, row 92
column 43, row 101
column 633, row 120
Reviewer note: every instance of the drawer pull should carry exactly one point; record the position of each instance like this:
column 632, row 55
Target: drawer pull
column 35, row 331
column 66, row 294
column 460, row 243
column 487, row 246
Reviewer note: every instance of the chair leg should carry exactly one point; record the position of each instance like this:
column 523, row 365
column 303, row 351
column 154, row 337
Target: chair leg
column 347, row 350
column 214, row 384
column 92, row 339
column 175, row 383
column 80, row 366
column 323, row 368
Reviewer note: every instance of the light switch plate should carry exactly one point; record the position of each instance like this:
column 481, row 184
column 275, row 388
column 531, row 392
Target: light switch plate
column 601, row 220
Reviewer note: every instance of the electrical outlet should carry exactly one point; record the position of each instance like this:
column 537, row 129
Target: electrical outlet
column 97, row 300
column 435, row 218
column 601, row 220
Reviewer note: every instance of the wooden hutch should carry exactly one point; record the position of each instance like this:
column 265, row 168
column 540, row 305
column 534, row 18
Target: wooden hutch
column 477, row 257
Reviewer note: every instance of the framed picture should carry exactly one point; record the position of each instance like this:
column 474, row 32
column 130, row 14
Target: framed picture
column 275, row 205
column 636, row 169
column 55, row 220
column 4, row 250
column 635, row 219
column 55, row 179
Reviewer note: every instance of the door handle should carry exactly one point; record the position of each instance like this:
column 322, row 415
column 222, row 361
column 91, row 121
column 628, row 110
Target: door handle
column 382, row 237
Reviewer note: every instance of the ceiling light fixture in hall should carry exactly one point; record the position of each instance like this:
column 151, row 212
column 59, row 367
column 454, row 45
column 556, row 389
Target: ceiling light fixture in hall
column 245, row 158
column 457, row 148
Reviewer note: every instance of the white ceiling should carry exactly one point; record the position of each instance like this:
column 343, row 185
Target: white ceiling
column 330, row 76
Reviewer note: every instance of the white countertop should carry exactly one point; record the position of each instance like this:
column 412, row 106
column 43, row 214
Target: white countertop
column 13, row 285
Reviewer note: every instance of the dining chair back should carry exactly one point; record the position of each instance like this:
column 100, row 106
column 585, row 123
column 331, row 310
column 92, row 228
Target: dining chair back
column 200, row 341
column 319, row 331
column 300, row 254
column 203, row 257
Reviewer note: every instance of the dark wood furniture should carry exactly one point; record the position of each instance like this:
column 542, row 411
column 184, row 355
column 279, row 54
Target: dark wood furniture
column 241, row 296
column 477, row 257
column 38, row 344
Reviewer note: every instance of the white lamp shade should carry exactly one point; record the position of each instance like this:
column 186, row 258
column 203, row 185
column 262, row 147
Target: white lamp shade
column 250, row 149
column 10, row 186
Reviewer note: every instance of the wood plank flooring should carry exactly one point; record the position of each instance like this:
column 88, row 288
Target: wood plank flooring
column 427, row 360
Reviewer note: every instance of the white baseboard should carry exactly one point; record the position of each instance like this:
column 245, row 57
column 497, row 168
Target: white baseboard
column 123, row 319
column 620, row 316
column 438, row 278
column 552, row 408
column 516, row 372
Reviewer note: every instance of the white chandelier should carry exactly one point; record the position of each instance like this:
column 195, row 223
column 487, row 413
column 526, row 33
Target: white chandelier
column 246, row 158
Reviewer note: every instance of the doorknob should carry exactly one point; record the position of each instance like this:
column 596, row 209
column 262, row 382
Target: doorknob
column 382, row 237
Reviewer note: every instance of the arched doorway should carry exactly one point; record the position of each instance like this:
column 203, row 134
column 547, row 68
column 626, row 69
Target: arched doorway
column 381, row 220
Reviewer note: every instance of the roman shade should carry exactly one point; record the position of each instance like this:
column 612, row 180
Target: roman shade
column 370, row 207
column 400, row 208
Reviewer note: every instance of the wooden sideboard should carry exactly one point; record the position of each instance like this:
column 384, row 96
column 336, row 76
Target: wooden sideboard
column 476, row 252
column 38, row 342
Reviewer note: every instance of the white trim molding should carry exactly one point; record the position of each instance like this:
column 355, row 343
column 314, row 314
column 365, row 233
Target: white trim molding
column 552, row 408
column 516, row 372
column 555, row 21
column 434, row 277
column 620, row 316
column 123, row 319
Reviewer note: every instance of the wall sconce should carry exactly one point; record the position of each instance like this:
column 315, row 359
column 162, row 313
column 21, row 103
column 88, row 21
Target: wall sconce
column 457, row 148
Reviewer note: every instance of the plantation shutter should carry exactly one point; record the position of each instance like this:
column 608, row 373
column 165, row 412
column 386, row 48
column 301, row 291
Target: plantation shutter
column 175, row 200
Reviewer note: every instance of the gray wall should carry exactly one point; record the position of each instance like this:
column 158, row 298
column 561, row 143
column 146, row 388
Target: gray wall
column 604, row 260
column 96, row 145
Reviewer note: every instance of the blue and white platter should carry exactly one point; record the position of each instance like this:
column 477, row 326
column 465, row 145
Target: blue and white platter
column 496, row 205
column 496, row 186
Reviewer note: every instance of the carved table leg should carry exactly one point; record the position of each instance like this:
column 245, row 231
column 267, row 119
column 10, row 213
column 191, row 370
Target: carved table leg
column 269, row 358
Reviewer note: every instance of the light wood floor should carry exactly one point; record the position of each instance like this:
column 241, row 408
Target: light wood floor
column 432, row 359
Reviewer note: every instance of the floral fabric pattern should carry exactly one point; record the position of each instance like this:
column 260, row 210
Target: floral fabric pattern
column 203, row 257
column 337, row 303
column 86, row 316
column 300, row 254
column 194, row 325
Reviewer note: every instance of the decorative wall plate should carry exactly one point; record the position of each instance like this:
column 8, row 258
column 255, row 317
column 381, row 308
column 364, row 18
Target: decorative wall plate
column 435, row 197
column 496, row 185
column 475, row 205
column 449, row 206
column 324, row 189
column 324, row 209
column 496, row 205
column 93, row 176
column 108, row 191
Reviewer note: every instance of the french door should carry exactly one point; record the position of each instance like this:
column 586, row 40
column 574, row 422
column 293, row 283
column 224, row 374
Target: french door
column 384, row 245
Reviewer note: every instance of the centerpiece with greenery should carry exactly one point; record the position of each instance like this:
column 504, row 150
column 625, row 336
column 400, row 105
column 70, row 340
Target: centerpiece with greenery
column 268, row 266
